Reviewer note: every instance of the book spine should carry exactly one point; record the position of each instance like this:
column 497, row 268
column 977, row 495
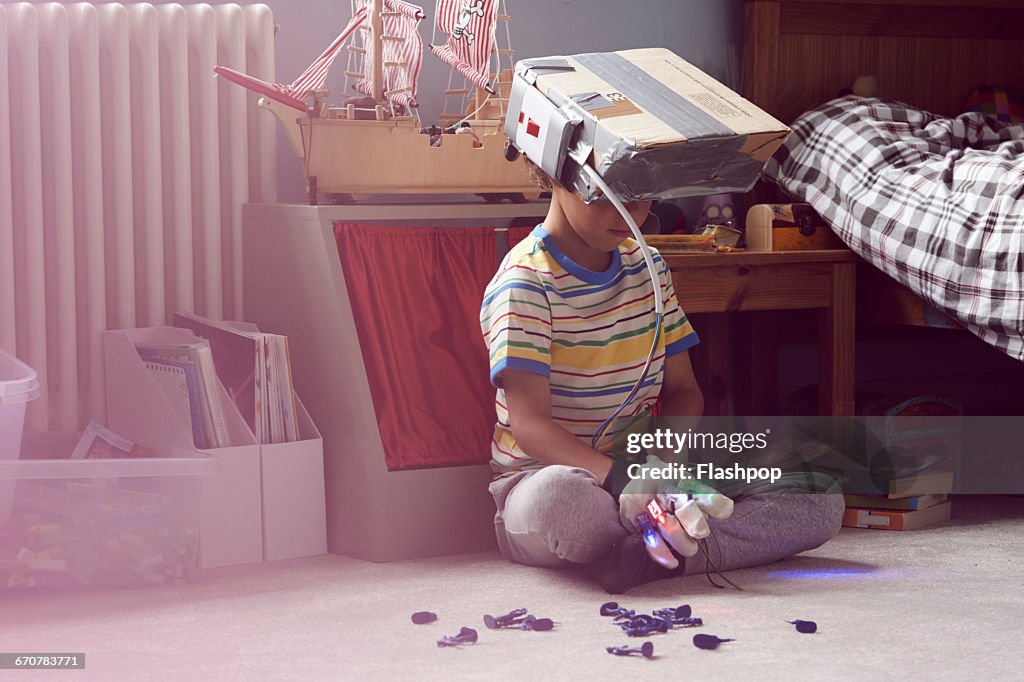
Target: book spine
column 216, row 409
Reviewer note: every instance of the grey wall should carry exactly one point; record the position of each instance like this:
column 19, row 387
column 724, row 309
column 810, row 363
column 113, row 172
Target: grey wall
column 707, row 33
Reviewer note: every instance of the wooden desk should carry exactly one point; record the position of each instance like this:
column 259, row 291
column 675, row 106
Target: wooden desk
column 758, row 282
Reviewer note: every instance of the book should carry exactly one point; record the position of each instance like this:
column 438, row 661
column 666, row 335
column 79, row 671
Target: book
column 199, row 354
column 912, row 503
column 256, row 371
column 99, row 442
column 179, row 377
column 235, row 356
column 886, row 519
column 925, row 483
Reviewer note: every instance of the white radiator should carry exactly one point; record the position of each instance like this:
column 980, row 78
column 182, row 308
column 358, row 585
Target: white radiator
column 123, row 169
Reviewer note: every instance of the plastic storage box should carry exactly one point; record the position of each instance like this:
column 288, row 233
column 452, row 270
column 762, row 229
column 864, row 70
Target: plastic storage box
column 18, row 385
column 129, row 521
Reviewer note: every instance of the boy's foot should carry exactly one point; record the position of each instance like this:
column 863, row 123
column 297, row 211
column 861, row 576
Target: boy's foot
column 628, row 564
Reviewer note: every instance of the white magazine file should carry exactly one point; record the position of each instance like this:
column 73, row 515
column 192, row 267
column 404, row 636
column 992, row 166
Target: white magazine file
column 294, row 496
column 231, row 518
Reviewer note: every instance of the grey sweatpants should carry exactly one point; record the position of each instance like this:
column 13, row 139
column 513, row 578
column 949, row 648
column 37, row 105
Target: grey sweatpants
column 559, row 516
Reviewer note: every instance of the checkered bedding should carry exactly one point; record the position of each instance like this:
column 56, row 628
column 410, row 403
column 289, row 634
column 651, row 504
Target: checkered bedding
column 936, row 203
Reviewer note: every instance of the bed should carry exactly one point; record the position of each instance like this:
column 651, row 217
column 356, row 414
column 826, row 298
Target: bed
column 928, row 54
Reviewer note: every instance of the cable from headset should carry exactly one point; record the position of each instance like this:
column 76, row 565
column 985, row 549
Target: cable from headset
column 659, row 306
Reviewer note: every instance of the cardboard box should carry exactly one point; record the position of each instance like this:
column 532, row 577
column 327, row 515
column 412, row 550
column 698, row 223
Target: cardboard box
column 653, row 125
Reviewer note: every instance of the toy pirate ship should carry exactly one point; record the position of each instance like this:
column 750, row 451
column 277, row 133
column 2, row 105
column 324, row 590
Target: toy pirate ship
column 374, row 142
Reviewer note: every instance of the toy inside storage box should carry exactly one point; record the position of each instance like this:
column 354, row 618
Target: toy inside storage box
column 131, row 521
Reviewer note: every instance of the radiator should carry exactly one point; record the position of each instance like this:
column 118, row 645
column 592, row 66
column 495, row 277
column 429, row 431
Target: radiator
column 124, row 166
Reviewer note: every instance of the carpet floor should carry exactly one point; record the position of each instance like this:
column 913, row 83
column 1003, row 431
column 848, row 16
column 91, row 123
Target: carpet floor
column 938, row 604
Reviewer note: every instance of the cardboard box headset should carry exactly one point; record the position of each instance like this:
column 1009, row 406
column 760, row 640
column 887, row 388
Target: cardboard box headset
column 652, row 125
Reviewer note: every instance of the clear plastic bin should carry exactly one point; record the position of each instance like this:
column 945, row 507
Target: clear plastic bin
column 100, row 521
column 18, row 385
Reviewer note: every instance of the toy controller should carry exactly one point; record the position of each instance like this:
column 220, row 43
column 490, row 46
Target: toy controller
column 649, row 521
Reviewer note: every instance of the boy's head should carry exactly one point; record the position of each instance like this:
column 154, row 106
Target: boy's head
column 599, row 223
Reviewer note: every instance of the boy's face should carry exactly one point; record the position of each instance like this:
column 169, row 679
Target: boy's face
column 599, row 224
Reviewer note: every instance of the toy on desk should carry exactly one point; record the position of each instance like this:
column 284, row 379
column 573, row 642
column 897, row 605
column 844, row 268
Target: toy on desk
column 788, row 227
column 717, row 210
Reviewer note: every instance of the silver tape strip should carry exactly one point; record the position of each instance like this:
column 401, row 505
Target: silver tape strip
column 653, row 96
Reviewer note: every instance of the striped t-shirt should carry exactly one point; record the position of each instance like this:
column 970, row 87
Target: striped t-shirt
column 588, row 332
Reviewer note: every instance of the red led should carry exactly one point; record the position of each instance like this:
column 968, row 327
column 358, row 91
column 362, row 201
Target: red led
column 532, row 128
column 520, row 117
column 656, row 511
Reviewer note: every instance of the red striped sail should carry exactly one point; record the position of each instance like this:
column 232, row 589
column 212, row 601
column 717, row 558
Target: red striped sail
column 405, row 55
column 312, row 78
column 470, row 26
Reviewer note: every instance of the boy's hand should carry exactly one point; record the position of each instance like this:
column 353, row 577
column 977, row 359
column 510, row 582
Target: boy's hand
column 680, row 519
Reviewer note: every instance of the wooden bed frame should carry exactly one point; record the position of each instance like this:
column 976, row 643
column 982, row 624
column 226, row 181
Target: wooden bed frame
column 927, row 53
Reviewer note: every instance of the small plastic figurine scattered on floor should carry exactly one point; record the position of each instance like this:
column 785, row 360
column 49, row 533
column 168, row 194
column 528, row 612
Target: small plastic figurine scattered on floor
column 805, row 626
column 423, row 617
column 647, row 650
column 708, row 641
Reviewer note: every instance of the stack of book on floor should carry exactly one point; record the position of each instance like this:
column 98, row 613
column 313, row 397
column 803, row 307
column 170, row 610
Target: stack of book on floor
column 911, row 503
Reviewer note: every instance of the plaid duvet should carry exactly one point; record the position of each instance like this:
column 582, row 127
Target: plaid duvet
column 936, row 203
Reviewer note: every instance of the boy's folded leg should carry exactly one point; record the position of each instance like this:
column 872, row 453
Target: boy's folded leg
column 773, row 522
column 555, row 516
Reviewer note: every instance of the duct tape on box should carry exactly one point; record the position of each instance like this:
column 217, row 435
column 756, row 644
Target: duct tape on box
column 654, row 126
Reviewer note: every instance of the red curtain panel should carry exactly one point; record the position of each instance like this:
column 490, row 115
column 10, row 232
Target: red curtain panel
column 416, row 295
column 518, row 234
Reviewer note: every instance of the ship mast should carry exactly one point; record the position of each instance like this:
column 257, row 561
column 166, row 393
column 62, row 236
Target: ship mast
column 376, row 50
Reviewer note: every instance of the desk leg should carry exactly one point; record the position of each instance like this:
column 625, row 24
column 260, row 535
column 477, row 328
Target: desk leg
column 836, row 345
column 764, row 363
column 711, row 362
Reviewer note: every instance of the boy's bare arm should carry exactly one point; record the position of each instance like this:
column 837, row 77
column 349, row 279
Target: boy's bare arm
column 680, row 394
column 681, row 399
column 529, row 409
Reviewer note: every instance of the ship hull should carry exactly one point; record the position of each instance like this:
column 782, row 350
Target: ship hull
column 393, row 157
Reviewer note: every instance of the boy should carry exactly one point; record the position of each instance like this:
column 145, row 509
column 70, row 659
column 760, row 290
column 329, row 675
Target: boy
column 569, row 322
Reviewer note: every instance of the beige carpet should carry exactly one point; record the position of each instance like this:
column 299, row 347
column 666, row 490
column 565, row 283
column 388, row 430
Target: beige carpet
column 941, row 604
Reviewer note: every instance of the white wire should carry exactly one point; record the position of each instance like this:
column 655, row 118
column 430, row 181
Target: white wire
column 659, row 305
column 472, row 113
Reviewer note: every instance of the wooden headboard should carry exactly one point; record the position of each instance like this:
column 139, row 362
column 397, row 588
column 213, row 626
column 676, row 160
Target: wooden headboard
column 927, row 53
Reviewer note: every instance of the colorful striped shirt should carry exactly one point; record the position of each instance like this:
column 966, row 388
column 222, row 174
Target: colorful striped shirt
column 588, row 332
